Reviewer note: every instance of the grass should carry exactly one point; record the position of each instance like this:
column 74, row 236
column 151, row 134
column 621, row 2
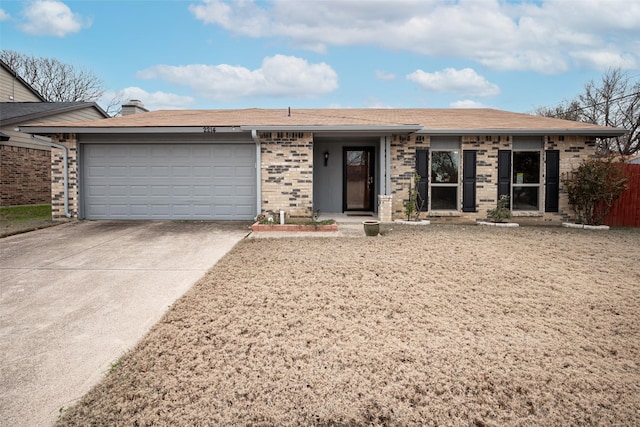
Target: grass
column 442, row 325
column 25, row 213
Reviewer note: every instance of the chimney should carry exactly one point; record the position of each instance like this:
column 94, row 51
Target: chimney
column 134, row 106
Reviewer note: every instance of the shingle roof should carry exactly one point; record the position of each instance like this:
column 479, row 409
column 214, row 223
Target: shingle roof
column 21, row 112
column 430, row 120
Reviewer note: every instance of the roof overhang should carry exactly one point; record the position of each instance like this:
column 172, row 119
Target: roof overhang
column 320, row 129
column 602, row 132
column 343, row 129
column 49, row 130
column 338, row 128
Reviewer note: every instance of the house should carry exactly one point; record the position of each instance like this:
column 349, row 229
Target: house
column 236, row 164
column 25, row 162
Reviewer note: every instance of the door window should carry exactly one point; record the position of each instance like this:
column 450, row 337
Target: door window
column 359, row 182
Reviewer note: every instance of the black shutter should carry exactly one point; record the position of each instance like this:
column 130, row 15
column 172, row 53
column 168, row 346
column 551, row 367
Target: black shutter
column 422, row 167
column 552, row 182
column 469, row 181
column 504, row 174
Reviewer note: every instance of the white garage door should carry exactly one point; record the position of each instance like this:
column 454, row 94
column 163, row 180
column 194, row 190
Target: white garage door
column 169, row 181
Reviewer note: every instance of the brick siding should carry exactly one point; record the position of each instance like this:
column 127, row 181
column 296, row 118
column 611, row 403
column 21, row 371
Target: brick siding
column 287, row 173
column 57, row 176
column 25, row 176
column 403, row 150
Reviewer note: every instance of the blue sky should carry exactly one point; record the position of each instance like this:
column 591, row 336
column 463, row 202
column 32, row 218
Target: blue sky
column 210, row 54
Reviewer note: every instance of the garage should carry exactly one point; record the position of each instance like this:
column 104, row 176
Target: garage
column 180, row 181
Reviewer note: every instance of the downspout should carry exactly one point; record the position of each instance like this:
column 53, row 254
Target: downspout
column 65, row 169
column 254, row 136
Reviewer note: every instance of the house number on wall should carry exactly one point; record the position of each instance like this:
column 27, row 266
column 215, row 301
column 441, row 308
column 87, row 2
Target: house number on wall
column 208, row 129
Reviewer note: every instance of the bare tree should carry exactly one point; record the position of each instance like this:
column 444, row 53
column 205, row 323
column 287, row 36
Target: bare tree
column 613, row 101
column 54, row 80
column 566, row 110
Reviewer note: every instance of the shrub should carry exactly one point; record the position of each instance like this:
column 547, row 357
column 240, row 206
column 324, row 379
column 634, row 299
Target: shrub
column 501, row 211
column 414, row 204
column 593, row 187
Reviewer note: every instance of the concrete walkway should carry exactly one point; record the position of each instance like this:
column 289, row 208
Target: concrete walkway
column 75, row 297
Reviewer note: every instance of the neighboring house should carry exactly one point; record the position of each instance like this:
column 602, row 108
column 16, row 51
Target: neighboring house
column 236, row 164
column 25, row 164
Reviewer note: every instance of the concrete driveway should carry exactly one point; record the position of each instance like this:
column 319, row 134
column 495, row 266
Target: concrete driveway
column 76, row 297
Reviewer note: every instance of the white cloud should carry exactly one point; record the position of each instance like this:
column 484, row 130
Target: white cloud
column 151, row 100
column 604, row 60
column 463, row 82
column 539, row 36
column 51, row 18
column 4, row 16
column 383, row 75
column 467, row 103
column 279, row 75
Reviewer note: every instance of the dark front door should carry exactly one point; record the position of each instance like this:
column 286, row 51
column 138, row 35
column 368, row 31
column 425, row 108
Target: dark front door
column 359, row 183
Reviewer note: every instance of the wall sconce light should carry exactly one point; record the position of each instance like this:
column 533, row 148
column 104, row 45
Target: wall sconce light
column 326, row 158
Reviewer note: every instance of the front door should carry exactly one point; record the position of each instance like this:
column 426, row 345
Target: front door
column 359, row 183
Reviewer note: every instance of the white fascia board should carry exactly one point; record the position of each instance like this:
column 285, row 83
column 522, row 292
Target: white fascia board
column 46, row 130
column 607, row 132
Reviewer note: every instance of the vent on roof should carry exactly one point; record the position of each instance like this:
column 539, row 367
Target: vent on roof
column 134, row 106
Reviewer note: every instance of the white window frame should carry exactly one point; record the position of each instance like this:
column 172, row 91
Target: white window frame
column 537, row 185
column 455, row 185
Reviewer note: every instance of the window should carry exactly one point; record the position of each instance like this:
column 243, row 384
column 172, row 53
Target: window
column 526, row 181
column 444, row 180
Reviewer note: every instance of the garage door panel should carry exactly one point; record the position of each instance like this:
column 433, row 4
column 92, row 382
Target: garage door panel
column 117, row 171
column 245, row 172
column 244, row 190
column 169, row 181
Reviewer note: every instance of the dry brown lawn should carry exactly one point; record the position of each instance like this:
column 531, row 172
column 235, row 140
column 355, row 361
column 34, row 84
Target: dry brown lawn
column 447, row 326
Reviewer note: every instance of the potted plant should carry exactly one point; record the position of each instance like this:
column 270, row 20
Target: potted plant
column 371, row 227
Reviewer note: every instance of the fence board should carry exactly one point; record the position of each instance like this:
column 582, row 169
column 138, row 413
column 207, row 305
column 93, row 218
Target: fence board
column 626, row 210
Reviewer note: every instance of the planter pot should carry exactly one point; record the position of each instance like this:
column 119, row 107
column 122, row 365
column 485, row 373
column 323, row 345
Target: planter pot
column 371, row 227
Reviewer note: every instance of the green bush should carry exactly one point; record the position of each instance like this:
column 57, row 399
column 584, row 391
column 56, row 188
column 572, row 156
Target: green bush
column 593, row 187
column 501, row 211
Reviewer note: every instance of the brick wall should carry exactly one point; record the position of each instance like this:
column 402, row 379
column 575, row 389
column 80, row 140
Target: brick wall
column 57, row 176
column 25, row 176
column 486, row 147
column 403, row 164
column 573, row 149
column 403, row 148
column 287, row 173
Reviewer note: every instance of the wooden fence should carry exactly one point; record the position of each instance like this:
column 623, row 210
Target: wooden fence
column 626, row 210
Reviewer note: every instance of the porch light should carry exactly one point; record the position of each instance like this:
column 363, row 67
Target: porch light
column 326, row 158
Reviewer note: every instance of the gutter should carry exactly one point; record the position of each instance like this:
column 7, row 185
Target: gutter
column 254, row 136
column 65, row 169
